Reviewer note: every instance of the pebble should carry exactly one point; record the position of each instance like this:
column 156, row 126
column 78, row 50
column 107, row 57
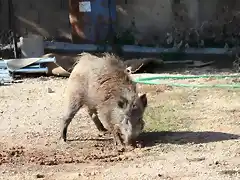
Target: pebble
column 40, row 176
column 49, row 90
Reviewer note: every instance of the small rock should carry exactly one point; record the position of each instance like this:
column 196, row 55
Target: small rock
column 121, row 149
column 93, row 173
column 196, row 159
column 40, row 176
column 49, row 90
column 139, row 145
column 43, row 78
column 84, row 174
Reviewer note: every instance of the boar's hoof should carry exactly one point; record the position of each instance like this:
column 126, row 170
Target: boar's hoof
column 61, row 138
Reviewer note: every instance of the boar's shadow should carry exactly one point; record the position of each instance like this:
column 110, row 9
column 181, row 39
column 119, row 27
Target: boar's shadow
column 184, row 137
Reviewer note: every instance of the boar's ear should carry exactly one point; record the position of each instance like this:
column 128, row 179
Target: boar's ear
column 143, row 99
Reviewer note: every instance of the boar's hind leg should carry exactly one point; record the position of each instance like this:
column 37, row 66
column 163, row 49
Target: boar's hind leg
column 75, row 103
column 97, row 122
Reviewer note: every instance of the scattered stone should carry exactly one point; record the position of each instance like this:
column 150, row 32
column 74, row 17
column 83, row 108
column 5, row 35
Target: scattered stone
column 230, row 172
column 94, row 173
column 50, row 90
column 40, row 176
column 140, row 145
column 43, row 78
column 196, row 159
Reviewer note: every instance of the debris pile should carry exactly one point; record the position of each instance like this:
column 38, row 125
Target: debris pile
column 26, row 65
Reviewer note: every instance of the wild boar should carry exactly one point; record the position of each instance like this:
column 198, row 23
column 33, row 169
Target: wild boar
column 106, row 89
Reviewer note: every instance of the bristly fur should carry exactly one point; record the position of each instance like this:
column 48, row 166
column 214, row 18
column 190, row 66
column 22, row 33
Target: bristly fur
column 107, row 56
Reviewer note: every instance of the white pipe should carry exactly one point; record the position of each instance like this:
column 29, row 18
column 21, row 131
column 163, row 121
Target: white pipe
column 32, row 70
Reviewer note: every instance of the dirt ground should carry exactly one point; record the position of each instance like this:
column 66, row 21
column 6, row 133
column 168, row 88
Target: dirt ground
column 190, row 134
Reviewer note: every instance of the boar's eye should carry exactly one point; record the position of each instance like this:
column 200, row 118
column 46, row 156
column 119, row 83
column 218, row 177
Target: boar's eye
column 121, row 104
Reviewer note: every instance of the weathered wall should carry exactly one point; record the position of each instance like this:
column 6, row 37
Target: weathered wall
column 3, row 15
column 44, row 17
column 149, row 20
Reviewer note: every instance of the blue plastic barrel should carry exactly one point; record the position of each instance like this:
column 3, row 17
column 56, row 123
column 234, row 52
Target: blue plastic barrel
column 92, row 21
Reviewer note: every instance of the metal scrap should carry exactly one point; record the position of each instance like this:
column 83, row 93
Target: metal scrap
column 5, row 76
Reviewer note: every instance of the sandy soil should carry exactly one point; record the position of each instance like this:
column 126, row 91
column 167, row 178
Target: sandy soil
column 205, row 146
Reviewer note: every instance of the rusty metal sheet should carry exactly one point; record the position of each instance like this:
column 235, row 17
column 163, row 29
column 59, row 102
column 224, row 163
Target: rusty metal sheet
column 90, row 20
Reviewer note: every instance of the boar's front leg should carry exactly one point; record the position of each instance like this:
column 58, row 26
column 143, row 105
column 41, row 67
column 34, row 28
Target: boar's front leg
column 117, row 136
column 93, row 114
column 105, row 118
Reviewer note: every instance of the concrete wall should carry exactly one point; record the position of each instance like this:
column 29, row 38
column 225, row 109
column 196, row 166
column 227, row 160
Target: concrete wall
column 49, row 18
column 3, row 15
column 152, row 19
column 149, row 20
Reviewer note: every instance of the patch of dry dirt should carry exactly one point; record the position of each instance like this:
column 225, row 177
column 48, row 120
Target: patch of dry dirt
column 30, row 116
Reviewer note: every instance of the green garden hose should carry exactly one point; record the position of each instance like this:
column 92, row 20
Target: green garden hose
column 149, row 80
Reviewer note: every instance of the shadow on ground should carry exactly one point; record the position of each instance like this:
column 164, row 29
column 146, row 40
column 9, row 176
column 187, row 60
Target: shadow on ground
column 184, row 137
